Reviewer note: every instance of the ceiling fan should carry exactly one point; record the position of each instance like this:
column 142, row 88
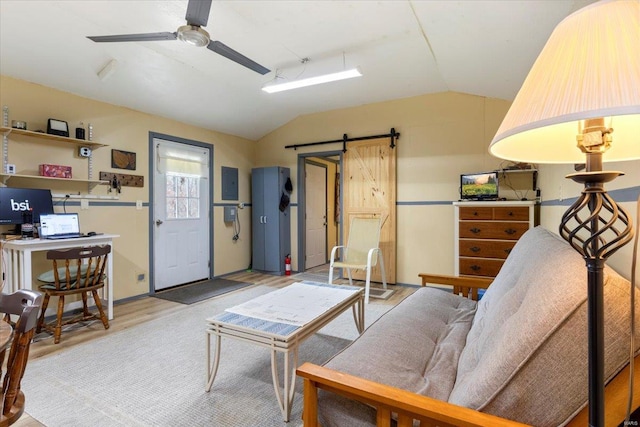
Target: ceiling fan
column 192, row 33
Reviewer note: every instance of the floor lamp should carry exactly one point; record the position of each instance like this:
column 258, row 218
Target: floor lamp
column 580, row 103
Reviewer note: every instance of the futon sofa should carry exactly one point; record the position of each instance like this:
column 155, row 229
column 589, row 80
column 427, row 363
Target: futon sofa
column 520, row 353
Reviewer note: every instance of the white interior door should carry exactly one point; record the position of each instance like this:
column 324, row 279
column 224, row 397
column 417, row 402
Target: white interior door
column 316, row 215
column 181, row 214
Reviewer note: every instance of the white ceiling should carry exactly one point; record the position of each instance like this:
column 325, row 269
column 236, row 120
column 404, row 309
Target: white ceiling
column 404, row 48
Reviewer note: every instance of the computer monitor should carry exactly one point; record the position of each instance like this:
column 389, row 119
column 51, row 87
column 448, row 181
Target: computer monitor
column 14, row 201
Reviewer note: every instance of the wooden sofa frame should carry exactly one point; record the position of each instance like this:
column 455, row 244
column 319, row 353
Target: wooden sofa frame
column 430, row 412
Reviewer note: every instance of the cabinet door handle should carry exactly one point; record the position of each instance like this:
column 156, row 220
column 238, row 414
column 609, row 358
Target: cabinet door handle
column 475, row 267
column 475, row 230
column 474, row 249
column 510, row 231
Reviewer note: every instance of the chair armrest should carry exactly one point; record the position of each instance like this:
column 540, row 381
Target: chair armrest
column 386, row 399
column 334, row 250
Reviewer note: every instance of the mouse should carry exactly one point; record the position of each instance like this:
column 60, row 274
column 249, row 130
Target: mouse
column 91, row 233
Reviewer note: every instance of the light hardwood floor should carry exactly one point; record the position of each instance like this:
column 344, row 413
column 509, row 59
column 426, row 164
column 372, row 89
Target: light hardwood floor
column 134, row 312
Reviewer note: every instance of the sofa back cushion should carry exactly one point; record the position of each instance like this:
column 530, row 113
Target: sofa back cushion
column 526, row 353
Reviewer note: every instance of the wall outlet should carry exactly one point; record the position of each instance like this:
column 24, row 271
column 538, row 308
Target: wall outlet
column 84, row 204
column 139, row 204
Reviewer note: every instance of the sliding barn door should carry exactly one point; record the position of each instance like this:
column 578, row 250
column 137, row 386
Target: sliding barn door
column 370, row 191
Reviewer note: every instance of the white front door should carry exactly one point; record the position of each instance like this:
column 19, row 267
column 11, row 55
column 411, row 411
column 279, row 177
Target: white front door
column 316, row 215
column 181, row 214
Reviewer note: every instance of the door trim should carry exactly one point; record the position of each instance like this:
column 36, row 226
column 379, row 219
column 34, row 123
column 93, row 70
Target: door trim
column 302, row 241
column 190, row 142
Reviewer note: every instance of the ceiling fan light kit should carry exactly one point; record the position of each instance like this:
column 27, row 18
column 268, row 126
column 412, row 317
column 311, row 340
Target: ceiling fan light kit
column 193, row 35
column 311, row 81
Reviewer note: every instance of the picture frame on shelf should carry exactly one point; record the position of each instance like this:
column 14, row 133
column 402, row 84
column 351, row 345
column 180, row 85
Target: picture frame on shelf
column 57, row 127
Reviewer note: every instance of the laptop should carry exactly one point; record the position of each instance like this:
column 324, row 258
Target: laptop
column 59, row 226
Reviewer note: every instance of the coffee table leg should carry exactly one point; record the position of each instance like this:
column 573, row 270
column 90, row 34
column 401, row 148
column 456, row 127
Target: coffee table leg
column 285, row 397
column 358, row 314
column 212, row 367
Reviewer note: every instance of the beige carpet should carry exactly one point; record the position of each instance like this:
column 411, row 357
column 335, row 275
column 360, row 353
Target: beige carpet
column 154, row 374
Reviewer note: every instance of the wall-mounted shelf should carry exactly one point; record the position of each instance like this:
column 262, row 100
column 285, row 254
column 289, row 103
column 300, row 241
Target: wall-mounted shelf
column 80, row 142
column 5, row 177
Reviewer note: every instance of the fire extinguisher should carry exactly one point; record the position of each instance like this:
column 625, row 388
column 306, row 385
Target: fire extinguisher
column 287, row 265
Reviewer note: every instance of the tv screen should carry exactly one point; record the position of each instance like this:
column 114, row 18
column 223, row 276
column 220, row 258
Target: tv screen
column 14, row 201
column 479, row 186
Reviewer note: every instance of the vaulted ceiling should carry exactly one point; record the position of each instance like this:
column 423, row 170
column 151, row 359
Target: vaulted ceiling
column 403, row 48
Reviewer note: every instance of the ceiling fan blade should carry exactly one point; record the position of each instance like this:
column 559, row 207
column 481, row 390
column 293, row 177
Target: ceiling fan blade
column 145, row 37
column 198, row 12
column 224, row 50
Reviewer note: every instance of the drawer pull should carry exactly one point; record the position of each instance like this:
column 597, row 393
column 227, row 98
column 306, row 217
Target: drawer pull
column 510, row 231
column 475, row 230
column 474, row 249
column 508, row 251
column 475, row 267
column 475, row 213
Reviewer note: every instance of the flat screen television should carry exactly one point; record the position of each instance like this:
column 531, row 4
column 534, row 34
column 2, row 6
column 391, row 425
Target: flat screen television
column 14, row 201
column 479, row 186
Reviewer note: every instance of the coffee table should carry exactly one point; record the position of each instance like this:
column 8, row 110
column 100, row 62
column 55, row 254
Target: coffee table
column 281, row 320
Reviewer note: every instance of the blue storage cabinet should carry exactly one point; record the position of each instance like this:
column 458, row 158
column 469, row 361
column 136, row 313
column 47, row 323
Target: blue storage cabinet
column 271, row 226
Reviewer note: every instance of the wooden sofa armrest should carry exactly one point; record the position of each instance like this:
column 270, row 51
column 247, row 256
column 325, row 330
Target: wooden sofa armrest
column 461, row 285
column 387, row 400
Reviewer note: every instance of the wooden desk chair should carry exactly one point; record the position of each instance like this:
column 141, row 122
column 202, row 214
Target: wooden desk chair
column 26, row 305
column 361, row 252
column 75, row 271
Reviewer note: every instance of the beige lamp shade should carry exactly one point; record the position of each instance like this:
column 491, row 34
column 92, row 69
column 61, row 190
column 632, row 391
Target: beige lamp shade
column 589, row 68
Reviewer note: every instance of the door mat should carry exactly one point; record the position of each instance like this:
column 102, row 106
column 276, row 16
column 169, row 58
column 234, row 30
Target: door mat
column 189, row 294
column 380, row 293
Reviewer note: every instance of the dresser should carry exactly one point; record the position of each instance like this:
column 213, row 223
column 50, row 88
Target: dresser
column 485, row 233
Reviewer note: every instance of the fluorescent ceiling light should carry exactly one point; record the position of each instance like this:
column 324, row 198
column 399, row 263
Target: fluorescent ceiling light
column 325, row 78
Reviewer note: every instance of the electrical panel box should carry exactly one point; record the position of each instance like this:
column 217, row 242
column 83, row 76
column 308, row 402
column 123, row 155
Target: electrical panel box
column 230, row 213
column 229, row 183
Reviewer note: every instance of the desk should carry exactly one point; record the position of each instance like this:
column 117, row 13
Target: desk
column 17, row 256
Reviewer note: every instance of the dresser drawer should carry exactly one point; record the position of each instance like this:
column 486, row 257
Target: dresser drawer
column 480, row 266
column 515, row 213
column 485, row 248
column 476, row 213
column 492, row 230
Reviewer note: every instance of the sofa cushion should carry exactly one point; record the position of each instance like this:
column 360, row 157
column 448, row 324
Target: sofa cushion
column 415, row 347
column 526, row 353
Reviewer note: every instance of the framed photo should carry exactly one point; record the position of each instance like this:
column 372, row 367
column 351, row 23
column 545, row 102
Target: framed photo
column 123, row 159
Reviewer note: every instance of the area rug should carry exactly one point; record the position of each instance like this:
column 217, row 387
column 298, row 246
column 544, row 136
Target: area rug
column 378, row 293
column 189, row 294
column 154, row 374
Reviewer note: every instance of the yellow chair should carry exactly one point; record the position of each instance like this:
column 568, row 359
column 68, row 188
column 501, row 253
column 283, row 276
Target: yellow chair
column 361, row 252
column 75, row 271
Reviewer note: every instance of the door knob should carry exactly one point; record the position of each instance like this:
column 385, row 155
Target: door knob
column 158, row 221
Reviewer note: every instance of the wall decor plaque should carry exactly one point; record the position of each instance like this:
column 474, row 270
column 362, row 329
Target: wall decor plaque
column 123, row 159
